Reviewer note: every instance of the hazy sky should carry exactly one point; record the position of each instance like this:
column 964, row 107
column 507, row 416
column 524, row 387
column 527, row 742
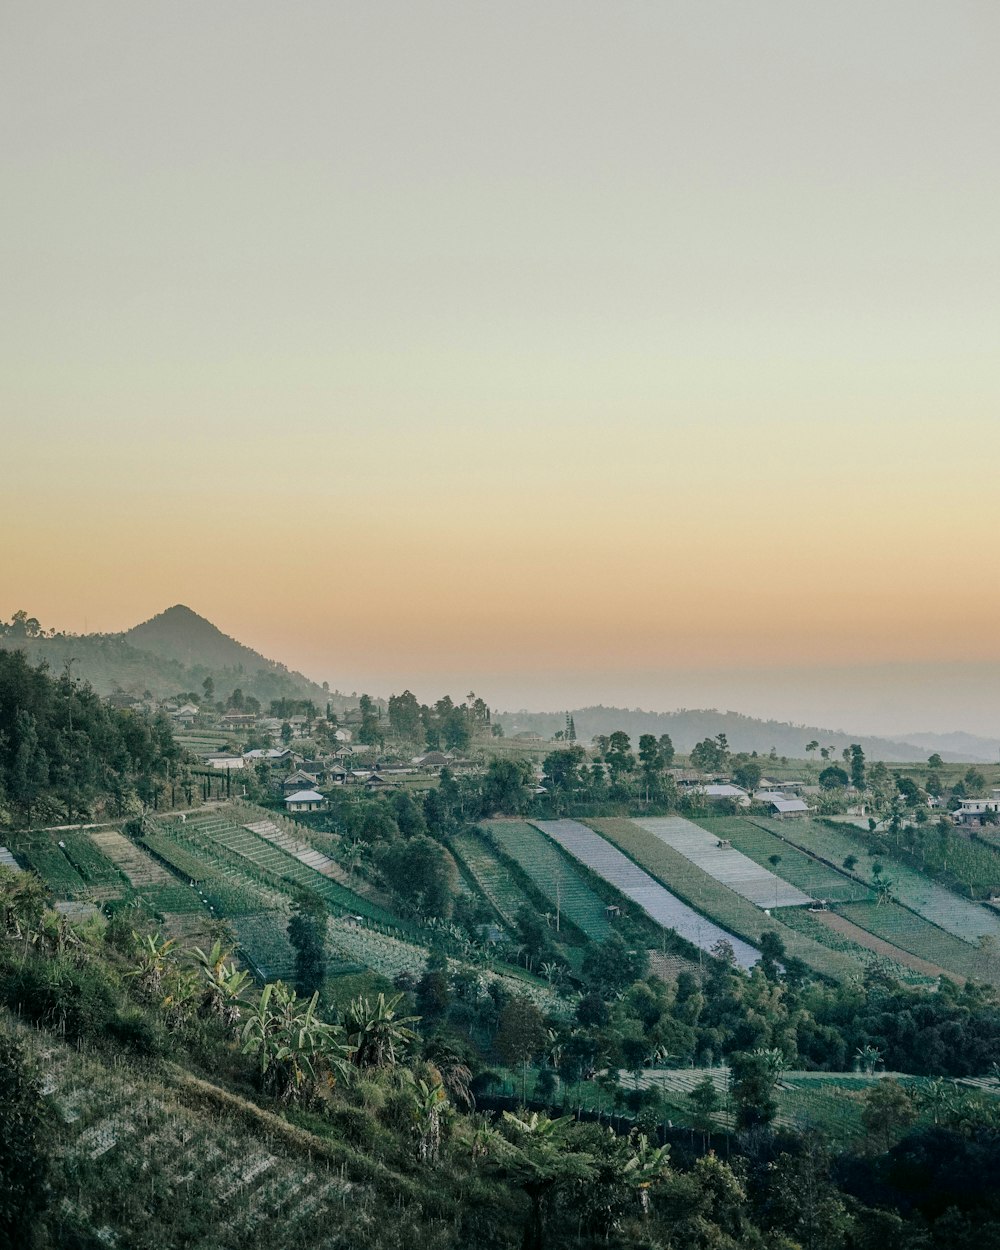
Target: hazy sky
column 553, row 349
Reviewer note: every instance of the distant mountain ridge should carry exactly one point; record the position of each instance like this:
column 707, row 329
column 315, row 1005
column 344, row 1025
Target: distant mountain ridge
column 744, row 733
column 174, row 651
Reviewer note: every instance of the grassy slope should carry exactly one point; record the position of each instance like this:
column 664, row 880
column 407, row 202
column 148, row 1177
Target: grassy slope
column 165, row 1158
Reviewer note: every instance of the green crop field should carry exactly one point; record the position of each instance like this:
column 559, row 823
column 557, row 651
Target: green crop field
column 959, row 916
column 491, row 874
column 218, row 837
column 920, row 937
column 555, row 875
column 95, row 867
column 180, row 858
column 800, row 869
column 715, row 901
column 41, row 851
column 803, row 921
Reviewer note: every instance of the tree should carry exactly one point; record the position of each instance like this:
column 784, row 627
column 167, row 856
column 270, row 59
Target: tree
column 705, row 1102
column 208, row 685
column 612, row 967
column 368, row 730
column 561, row 774
column 857, row 762
column 975, row 782
column 404, row 716
column 619, row 757
column 307, row 934
column 834, row 778
column 537, row 1153
column 667, row 751
column 747, row 775
column 423, row 875
column 889, row 1109
column 521, row 1033
column 507, row 787
column 752, row 1081
column 935, row 761
column 651, row 760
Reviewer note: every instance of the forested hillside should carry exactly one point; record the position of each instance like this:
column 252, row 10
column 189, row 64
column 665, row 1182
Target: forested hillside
column 66, row 755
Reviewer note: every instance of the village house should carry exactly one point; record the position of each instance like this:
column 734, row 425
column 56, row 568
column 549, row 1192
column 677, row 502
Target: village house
column 973, row 809
column 305, row 801
column 298, row 780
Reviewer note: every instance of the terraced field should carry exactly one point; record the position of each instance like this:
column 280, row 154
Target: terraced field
column 137, row 866
column 42, row 853
column 740, row 873
column 599, row 855
column 720, row 904
column 810, row 874
column 222, row 840
column 555, row 875
column 491, row 875
column 956, row 915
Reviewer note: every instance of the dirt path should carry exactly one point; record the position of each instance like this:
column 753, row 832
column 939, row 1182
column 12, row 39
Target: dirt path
column 843, row 926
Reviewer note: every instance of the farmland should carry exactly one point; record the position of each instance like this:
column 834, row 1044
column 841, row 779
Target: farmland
column 917, row 935
column 807, row 872
column 958, row 916
column 555, row 875
column 665, row 908
column 716, row 901
column 127, row 1142
column 839, row 934
column 491, row 875
column 738, row 872
column 217, row 835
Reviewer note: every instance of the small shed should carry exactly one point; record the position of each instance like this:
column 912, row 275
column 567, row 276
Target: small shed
column 787, row 807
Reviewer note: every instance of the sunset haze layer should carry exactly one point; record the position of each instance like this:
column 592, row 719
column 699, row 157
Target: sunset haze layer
column 560, row 350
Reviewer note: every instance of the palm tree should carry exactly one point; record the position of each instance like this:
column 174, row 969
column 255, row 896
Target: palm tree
column 536, row 1151
column 375, row 1033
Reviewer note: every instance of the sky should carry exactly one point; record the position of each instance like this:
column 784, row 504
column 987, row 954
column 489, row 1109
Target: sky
column 640, row 353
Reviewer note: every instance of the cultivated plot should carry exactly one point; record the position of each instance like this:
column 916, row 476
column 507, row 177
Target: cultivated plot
column 727, row 865
column 616, row 868
column 557, row 877
column 958, row 916
column 812, row 875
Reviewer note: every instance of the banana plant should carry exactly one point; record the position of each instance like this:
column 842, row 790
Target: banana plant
column 155, row 959
column 291, row 1044
column 376, row 1035
column 223, row 985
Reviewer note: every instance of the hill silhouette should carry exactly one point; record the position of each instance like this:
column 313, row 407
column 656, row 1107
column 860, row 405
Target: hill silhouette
column 171, row 653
